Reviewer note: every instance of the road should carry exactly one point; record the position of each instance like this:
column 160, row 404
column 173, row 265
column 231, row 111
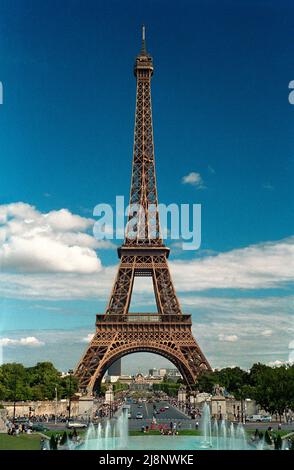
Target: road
column 164, row 417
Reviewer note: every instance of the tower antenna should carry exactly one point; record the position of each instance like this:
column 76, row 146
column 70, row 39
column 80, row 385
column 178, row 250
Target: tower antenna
column 143, row 50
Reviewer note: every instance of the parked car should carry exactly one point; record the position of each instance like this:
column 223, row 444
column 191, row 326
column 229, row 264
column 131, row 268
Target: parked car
column 254, row 418
column 166, row 407
column 140, row 406
column 266, row 419
column 162, row 410
column 75, row 424
column 38, row 427
column 139, row 416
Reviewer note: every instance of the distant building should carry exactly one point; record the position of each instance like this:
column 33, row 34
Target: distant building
column 172, row 374
column 139, row 382
column 154, row 372
column 115, row 369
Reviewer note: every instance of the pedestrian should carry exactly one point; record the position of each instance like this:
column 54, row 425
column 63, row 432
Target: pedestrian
column 174, row 428
column 171, row 425
column 196, row 425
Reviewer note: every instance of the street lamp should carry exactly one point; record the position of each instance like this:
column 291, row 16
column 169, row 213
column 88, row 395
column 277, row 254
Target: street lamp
column 110, row 406
column 55, row 403
column 14, row 395
column 69, row 401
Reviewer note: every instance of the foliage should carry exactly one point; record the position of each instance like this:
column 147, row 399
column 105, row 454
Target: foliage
column 170, row 388
column 63, row 438
column 118, row 386
column 207, row 381
column 34, row 383
column 267, row 438
column 278, row 442
column 271, row 387
column 53, row 443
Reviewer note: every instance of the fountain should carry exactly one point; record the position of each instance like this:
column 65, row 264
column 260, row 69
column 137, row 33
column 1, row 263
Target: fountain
column 215, row 435
column 206, row 427
column 113, row 434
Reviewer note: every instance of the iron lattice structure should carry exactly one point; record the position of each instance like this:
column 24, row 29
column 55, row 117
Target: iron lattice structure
column 118, row 332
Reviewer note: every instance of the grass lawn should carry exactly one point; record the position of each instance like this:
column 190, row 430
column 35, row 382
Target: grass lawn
column 21, row 442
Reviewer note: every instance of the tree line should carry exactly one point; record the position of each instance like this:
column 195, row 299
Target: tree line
column 271, row 387
column 39, row 382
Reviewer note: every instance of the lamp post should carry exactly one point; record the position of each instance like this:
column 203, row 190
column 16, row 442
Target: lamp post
column 55, row 404
column 69, row 400
column 110, row 406
column 14, row 395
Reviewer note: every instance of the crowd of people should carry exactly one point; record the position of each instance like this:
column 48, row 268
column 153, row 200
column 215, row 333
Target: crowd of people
column 167, row 430
column 14, row 429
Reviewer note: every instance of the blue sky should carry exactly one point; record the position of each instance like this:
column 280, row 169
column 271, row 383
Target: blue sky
column 220, row 109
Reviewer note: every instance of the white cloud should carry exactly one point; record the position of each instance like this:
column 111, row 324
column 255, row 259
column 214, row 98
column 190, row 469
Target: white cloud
column 228, row 338
column 194, row 179
column 211, row 169
column 30, row 341
column 278, row 363
column 51, row 256
column 49, row 286
column 246, row 318
column 53, row 242
column 266, row 333
column 88, row 338
column 260, row 266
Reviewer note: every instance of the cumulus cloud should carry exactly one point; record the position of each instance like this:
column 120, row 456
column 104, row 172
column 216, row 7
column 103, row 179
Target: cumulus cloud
column 246, row 318
column 227, row 338
column 52, row 256
column 60, row 286
column 88, row 338
column 194, row 179
column 56, row 241
column 30, row 341
column 266, row 333
column 278, row 363
column 259, row 266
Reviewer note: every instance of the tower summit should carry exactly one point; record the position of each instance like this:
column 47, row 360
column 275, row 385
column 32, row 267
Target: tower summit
column 143, row 197
column 166, row 332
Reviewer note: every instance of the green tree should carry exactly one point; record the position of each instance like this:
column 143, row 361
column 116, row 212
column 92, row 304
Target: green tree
column 13, row 382
column 63, row 439
column 53, row 442
column 33, row 383
column 278, row 442
column 206, row 381
column 267, row 438
column 233, row 379
column 274, row 387
column 43, row 378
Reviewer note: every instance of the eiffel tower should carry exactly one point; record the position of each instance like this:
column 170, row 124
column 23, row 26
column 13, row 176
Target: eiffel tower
column 143, row 253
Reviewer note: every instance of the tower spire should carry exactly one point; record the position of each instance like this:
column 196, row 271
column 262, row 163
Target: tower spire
column 143, row 49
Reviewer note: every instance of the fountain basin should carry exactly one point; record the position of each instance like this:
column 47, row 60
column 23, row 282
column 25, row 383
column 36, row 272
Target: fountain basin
column 166, row 443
